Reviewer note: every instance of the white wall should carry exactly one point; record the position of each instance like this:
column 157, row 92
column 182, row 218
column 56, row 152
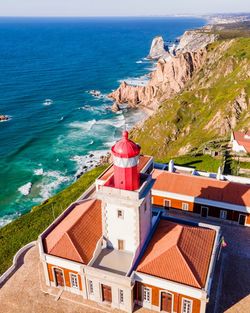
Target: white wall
column 238, row 148
column 121, row 228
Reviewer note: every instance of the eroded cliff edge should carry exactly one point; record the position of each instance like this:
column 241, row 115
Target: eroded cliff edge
column 174, row 69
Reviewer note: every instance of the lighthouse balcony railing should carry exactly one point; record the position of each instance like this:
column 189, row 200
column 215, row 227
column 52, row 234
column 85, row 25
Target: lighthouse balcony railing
column 108, row 189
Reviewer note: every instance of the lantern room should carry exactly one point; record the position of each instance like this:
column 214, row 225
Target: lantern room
column 126, row 155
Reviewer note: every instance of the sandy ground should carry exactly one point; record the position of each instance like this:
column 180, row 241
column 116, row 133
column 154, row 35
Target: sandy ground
column 25, row 291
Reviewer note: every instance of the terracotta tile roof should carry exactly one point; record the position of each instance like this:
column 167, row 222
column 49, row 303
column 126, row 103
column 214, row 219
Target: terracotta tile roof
column 179, row 253
column 202, row 187
column 75, row 237
column 243, row 139
column 144, row 159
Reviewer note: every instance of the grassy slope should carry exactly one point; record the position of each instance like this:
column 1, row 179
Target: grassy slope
column 27, row 228
column 181, row 121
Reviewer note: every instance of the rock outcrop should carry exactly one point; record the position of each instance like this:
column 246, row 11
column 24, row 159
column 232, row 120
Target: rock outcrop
column 194, row 40
column 169, row 78
column 173, row 70
column 158, row 49
column 3, row 118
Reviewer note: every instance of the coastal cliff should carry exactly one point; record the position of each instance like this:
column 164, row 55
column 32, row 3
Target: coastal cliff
column 214, row 101
column 172, row 72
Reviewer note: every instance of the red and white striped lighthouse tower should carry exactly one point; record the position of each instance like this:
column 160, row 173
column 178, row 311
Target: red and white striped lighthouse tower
column 126, row 155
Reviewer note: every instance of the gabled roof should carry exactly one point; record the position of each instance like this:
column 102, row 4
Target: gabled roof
column 243, row 139
column 76, row 236
column 179, row 253
column 202, row 187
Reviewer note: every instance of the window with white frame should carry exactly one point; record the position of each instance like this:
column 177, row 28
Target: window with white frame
column 223, row 214
column 91, row 287
column 146, row 294
column 185, row 206
column 186, row 306
column 120, row 214
column 167, row 203
column 74, row 280
column 121, row 296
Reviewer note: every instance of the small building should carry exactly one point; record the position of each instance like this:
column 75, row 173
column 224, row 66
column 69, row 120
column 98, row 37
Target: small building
column 207, row 197
column 241, row 142
column 116, row 250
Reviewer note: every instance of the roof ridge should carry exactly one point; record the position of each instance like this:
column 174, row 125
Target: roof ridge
column 67, row 234
column 185, row 258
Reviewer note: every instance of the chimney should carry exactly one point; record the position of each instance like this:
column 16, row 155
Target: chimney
column 171, row 166
column 219, row 174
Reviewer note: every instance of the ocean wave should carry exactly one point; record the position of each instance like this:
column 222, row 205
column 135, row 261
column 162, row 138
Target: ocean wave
column 52, row 180
column 25, row 189
column 38, row 172
column 86, row 126
column 87, row 162
column 136, row 81
column 6, row 219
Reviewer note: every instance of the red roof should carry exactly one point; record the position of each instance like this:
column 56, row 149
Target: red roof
column 243, row 139
column 202, row 187
column 75, row 237
column 125, row 148
column 179, row 253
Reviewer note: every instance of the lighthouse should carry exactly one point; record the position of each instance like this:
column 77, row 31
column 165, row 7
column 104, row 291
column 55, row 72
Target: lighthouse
column 126, row 200
column 126, row 155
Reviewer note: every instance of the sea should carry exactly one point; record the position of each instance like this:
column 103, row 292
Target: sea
column 57, row 129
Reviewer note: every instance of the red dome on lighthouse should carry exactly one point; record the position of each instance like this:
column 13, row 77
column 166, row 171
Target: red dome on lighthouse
column 125, row 148
column 126, row 155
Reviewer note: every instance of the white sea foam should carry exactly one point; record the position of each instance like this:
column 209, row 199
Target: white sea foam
column 136, row 81
column 52, row 180
column 8, row 218
column 86, row 126
column 25, row 189
column 38, row 172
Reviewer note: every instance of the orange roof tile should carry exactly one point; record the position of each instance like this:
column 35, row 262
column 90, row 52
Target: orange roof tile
column 202, row 187
column 179, row 253
column 243, row 139
column 75, row 237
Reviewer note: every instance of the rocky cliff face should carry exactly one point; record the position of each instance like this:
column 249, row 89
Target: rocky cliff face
column 172, row 73
column 158, row 49
column 169, row 78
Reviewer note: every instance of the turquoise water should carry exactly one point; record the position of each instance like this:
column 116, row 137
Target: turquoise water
column 44, row 147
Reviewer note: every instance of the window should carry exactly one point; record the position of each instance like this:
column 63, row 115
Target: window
column 167, row 203
column 74, row 281
column 223, row 214
column 185, row 206
column 91, row 288
column 146, row 294
column 120, row 214
column 186, row 306
column 145, row 206
column 121, row 296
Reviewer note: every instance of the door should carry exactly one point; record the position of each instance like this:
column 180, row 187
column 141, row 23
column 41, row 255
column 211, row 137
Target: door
column 59, row 277
column 204, row 211
column 120, row 244
column 106, row 293
column 242, row 219
column 166, row 302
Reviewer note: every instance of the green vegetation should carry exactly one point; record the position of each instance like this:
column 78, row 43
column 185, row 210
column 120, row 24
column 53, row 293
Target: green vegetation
column 199, row 162
column 28, row 227
column 214, row 101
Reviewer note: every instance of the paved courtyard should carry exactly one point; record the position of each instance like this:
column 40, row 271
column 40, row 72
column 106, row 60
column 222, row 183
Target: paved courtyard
column 25, row 291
